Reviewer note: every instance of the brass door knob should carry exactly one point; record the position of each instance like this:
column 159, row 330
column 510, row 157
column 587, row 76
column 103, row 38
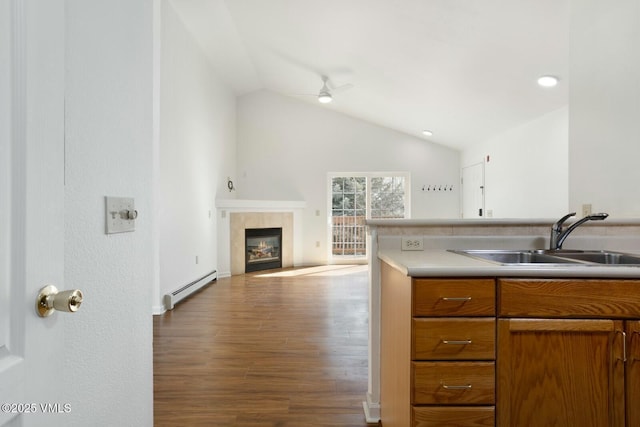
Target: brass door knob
column 50, row 299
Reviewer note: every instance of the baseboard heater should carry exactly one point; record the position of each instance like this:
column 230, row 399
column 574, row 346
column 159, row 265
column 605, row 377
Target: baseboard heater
column 170, row 300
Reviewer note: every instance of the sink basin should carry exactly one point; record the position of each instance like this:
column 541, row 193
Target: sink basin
column 515, row 257
column 561, row 256
column 602, row 257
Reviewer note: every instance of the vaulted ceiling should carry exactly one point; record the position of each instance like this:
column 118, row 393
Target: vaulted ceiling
column 464, row 69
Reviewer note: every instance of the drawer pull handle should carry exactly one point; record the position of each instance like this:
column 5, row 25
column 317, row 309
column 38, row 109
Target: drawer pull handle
column 456, row 299
column 455, row 387
column 456, row 342
column 624, row 345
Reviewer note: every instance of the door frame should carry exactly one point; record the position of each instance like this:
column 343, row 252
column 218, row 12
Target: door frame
column 483, row 188
column 346, row 259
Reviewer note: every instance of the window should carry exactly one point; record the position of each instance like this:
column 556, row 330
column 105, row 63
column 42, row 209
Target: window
column 357, row 197
column 348, row 212
column 387, row 197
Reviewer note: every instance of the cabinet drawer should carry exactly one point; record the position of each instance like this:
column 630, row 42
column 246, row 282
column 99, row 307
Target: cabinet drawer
column 459, row 416
column 454, row 338
column 453, row 383
column 569, row 298
column 454, row 297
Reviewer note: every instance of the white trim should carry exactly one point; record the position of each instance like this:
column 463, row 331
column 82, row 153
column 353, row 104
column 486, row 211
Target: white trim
column 259, row 204
column 371, row 411
column 157, row 306
column 158, row 309
column 372, row 404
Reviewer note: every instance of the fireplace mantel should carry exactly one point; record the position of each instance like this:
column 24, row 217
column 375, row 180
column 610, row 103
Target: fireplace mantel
column 266, row 212
column 243, row 205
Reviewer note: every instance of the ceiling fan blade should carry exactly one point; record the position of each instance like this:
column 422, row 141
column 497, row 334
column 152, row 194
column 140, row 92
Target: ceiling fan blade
column 341, row 88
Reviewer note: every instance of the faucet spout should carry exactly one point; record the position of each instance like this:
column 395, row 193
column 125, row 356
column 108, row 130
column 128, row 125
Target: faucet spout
column 558, row 235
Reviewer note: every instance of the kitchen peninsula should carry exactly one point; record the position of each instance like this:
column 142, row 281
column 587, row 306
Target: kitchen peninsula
column 473, row 342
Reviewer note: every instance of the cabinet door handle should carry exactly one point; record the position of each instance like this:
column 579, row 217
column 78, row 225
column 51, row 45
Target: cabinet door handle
column 458, row 299
column 624, row 345
column 456, row 342
column 455, row 387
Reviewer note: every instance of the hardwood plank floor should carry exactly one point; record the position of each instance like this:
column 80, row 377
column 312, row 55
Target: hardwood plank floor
column 283, row 348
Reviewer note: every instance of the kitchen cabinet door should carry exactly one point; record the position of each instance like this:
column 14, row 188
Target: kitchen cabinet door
column 560, row 372
column 633, row 373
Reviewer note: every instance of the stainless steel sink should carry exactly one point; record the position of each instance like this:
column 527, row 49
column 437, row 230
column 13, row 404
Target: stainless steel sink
column 515, row 257
column 602, row 257
column 560, row 256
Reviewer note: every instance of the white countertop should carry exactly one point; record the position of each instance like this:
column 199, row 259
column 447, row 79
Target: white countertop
column 441, row 263
column 493, row 222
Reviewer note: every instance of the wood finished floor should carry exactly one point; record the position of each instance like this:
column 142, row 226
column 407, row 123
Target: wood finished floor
column 285, row 348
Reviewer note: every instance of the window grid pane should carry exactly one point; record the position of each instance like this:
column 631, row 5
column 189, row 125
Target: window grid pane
column 349, row 200
column 349, row 203
column 387, row 197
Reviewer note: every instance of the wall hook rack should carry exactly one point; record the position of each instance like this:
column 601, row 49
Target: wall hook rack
column 438, row 188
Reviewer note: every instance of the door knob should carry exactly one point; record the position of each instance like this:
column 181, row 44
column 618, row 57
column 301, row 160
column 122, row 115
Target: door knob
column 50, row 299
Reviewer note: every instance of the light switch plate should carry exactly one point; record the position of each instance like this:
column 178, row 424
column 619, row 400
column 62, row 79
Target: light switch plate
column 117, row 209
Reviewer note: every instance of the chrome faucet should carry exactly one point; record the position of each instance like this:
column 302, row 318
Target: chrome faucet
column 558, row 235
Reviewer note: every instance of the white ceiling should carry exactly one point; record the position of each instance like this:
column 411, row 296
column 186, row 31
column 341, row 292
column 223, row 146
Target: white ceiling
column 465, row 69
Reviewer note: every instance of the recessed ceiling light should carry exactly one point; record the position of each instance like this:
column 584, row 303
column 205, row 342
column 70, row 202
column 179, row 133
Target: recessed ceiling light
column 427, row 132
column 547, row 81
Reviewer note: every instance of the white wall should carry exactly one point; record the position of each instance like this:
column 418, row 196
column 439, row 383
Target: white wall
column 286, row 147
column 109, row 151
column 604, row 122
column 600, row 162
column 527, row 174
column 197, row 154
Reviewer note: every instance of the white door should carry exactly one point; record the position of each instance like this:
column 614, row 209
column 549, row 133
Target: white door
column 473, row 191
column 31, row 209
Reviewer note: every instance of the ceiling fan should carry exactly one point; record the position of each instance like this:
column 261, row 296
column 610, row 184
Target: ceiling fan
column 325, row 95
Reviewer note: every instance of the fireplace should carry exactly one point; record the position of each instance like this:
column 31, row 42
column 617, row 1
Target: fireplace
column 263, row 249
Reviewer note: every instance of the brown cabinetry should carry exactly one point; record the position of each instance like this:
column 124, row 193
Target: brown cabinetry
column 632, row 377
column 509, row 352
column 447, row 351
column 566, row 353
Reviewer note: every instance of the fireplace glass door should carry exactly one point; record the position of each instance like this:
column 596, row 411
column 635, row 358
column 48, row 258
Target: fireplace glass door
column 263, row 249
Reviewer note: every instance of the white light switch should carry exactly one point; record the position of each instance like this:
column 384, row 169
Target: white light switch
column 121, row 214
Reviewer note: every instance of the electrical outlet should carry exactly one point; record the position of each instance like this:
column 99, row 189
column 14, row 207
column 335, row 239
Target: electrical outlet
column 586, row 209
column 412, row 244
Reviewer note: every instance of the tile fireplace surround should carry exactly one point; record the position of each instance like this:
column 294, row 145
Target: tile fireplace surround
column 240, row 221
column 234, row 216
